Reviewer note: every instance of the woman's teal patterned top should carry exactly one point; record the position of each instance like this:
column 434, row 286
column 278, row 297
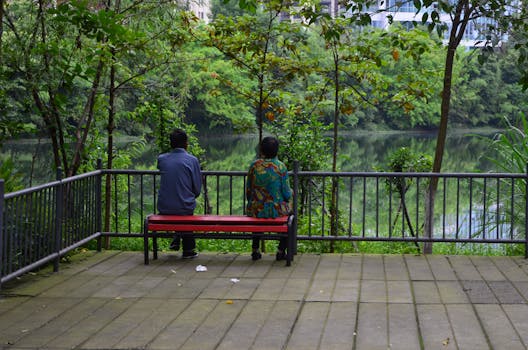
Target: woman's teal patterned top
column 267, row 189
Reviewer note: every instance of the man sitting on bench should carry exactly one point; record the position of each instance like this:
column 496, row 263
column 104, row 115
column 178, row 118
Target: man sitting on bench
column 181, row 183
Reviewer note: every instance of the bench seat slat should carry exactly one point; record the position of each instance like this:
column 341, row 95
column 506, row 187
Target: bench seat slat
column 216, row 219
column 216, row 227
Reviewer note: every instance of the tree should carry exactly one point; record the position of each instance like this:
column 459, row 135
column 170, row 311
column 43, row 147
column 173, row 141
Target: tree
column 264, row 47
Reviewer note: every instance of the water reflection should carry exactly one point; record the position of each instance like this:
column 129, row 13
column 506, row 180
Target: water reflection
column 359, row 151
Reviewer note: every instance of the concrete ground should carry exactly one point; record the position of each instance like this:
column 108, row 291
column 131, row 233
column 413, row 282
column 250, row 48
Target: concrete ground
column 111, row 300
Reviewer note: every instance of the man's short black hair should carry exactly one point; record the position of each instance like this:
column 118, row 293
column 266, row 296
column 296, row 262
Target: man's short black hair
column 269, row 147
column 178, row 139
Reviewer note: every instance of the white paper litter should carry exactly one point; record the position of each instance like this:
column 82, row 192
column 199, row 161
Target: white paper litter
column 234, row 280
column 201, row 268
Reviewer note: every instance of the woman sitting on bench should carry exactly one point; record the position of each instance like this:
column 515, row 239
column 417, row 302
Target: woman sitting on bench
column 268, row 191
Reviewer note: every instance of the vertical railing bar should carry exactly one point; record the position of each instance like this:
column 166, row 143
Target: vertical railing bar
column 309, row 189
column 37, row 242
column 497, row 212
column 470, row 208
column 458, row 209
column 99, row 203
column 28, row 228
column 129, row 199
column 18, row 224
column 217, row 194
column 243, row 192
column 2, row 189
column 58, row 218
column 155, row 193
column 377, row 206
column 444, row 210
column 231, row 195
column 417, row 223
column 390, row 210
column 350, row 203
column 142, row 196
column 364, row 206
column 323, row 190
column 116, row 215
column 485, row 207
column 512, row 206
column 336, row 216
column 525, row 213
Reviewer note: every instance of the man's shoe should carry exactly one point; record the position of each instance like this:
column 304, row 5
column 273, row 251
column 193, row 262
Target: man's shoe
column 256, row 256
column 281, row 255
column 175, row 244
column 189, row 255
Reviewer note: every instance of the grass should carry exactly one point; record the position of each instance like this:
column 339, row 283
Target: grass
column 318, row 247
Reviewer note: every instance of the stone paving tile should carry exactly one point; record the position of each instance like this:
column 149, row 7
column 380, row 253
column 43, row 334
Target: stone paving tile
column 247, row 326
column 517, row 315
column 339, row 328
column 372, row 332
column 346, row 290
column 91, row 324
column 150, row 325
column 321, row 290
column 399, row 292
column 509, row 267
column 506, row 292
column 441, row 268
column 350, row 267
column 418, row 268
column 435, row 327
column 522, row 287
column 452, row 292
column 426, row 292
column 309, row 327
column 403, row 331
column 329, row 301
column 276, row 330
column 185, row 324
column 479, row 292
column 500, row 331
column 465, row 270
column 395, row 268
column 468, row 333
column 373, row 291
column 373, row 268
column 487, row 269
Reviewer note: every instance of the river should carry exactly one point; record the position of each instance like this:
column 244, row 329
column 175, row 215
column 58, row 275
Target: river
column 466, row 151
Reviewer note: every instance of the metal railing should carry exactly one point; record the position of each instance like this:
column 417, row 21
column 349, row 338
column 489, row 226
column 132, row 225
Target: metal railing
column 41, row 224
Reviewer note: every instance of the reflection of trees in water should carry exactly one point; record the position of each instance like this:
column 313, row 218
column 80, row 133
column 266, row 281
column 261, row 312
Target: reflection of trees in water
column 367, row 152
column 358, row 152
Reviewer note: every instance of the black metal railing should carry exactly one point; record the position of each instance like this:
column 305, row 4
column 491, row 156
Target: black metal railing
column 41, row 224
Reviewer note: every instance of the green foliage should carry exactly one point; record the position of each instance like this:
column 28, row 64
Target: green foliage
column 512, row 146
column 12, row 178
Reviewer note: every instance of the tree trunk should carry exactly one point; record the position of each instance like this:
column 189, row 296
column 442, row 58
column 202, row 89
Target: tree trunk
column 461, row 18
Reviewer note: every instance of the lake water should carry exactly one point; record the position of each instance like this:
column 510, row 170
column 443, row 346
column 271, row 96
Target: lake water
column 466, row 151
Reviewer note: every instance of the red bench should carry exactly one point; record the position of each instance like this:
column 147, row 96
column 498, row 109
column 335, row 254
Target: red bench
column 217, row 227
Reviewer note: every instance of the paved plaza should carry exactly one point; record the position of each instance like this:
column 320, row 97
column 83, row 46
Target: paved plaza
column 111, row 300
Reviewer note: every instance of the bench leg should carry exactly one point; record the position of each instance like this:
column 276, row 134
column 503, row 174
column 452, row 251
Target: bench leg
column 145, row 248
column 155, row 247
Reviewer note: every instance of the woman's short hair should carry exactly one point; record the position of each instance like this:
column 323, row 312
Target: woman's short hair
column 269, row 147
column 178, row 139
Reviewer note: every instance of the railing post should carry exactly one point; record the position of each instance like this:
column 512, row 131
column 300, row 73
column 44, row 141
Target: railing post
column 59, row 200
column 1, row 230
column 526, row 214
column 295, row 202
column 429, row 211
column 98, row 204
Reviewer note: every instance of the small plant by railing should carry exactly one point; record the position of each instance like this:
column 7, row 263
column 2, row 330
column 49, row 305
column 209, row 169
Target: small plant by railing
column 41, row 224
